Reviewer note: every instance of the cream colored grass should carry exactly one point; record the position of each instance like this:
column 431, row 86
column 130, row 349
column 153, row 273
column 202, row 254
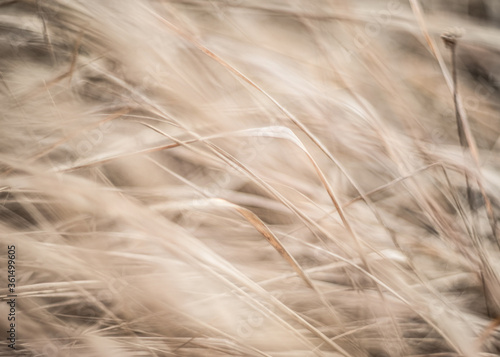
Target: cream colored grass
column 242, row 178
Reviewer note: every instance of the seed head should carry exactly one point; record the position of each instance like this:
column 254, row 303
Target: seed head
column 451, row 36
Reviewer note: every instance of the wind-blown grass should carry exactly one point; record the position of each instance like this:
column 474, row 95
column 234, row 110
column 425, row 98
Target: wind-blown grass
column 235, row 178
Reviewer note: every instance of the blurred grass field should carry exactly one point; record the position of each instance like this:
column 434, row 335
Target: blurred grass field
column 250, row 178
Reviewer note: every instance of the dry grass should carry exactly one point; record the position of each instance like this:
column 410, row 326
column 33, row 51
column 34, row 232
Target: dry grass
column 245, row 178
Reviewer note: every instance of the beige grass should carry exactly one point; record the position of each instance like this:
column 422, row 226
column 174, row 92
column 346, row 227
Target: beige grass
column 245, row 178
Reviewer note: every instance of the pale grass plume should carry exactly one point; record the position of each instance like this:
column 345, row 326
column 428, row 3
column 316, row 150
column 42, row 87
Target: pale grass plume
column 245, row 178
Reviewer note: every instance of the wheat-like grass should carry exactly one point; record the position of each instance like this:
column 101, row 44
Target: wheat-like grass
column 242, row 178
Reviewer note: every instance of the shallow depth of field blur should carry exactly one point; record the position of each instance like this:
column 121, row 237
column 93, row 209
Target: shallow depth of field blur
column 250, row 178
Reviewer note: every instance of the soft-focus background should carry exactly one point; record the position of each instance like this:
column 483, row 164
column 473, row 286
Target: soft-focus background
column 250, row 178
